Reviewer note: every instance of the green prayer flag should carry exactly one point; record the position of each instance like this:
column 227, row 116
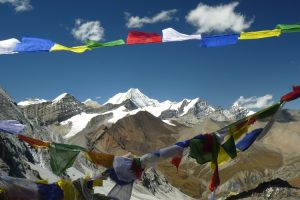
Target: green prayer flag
column 289, row 28
column 95, row 44
column 203, row 150
column 267, row 112
column 62, row 156
column 229, row 147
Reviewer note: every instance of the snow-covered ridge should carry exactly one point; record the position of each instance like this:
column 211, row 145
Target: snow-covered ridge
column 60, row 97
column 78, row 123
column 31, row 102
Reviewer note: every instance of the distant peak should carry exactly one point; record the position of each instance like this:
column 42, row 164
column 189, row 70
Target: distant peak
column 31, row 101
column 63, row 95
column 134, row 90
column 136, row 96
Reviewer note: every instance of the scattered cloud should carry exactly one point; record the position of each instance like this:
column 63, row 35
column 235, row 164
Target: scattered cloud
column 84, row 30
column 98, row 98
column 218, row 18
column 19, row 5
column 138, row 22
column 254, row 102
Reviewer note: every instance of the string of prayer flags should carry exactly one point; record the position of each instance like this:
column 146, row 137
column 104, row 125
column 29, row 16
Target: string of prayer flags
column 289, row 28
column 137, row 37
column 260, row 34
column 219, row 40
column 8, row 46
column 30, row 44
column 171, row 35
column 76, row 49
column 95, row 44
column 11, row 126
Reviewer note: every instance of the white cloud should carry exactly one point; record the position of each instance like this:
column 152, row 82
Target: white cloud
column 138, row 22
column 88, row 30
column 99, row 97
column 254, row 102
column 20, row 5
column 217, row 18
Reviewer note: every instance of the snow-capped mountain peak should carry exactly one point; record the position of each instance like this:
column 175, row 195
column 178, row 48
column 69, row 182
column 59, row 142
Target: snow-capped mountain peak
column 136, row 96
column 60, row 97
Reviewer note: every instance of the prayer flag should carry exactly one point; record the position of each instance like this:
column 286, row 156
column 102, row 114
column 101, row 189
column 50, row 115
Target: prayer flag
column 99, row 158
column 291, row 95
column 33, row 142
column 8, row 46
column 122, row 167
column 204, row 149
column 259, row 34
column 30, row 44
column 289, row 28
column 76, row 49
column 62, row 156
column 248, row 140
column 171, row 35
column 95, row 44
column 137, row 37
column 219, row 40
column 11, row 126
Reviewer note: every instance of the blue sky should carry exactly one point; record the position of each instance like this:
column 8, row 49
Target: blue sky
column 162, row 71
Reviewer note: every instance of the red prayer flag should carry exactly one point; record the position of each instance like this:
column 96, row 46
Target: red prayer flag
column 296, row 88
column 215, row 179
column 137, row 37
column 292, row 95
column 33, row 142
column 176, row 161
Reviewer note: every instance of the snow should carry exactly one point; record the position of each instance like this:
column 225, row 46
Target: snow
column 78, row 122
column 90, row 102
column 119, row 113
column 138, row 98
column 31, row 102
column 168, row 122
column 250, row 113
column 189, row 106
column 59, row 97
column 176, row 106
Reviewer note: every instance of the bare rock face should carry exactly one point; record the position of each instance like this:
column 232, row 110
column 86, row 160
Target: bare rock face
column 140, row 133
column 56, row 111
column 274, row 190
column 14, row 153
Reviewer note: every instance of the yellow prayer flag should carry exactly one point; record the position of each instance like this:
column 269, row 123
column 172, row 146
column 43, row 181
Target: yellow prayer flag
column 98, row 182
column 70, row 191
column 77, row 49
column 103, row 159
column 259, row 34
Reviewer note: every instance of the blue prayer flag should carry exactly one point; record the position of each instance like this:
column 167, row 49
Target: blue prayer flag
column 248, row 140
column 29, row 44
column 219, row 40
column 11, row 126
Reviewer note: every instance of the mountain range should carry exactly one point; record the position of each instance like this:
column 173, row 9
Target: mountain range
column 132, row 122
